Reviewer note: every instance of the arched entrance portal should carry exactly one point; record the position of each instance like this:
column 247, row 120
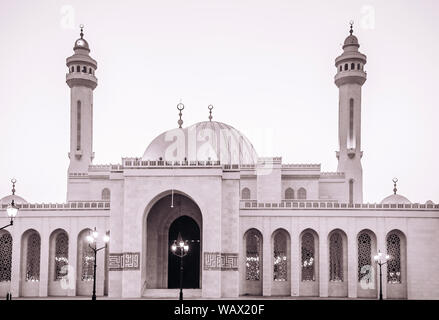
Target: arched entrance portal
column 189, row 230
column 164, row 221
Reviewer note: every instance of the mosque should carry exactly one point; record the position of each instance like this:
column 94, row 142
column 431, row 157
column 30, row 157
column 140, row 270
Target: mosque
column 253, row 226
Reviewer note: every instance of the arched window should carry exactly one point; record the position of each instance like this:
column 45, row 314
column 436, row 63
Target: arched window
column 394, row 263
column 336, row 257
column 89, row 70
column 245, row 194
column 84, row 69
column 364, row 256
column 301, row 194
column 352, row 66
column 280, row 263
column 346, row 66
column 61, row 255
column 33, row 257
column 351, row 191
column 87, row 260
column 358, row 66
column 78, row 125
column 78, row 68
column 341, row 68
column 72, row 69
column 308, row 258
column 106, row 195
column 253, row 254
column 289, row 193
column 5, row 256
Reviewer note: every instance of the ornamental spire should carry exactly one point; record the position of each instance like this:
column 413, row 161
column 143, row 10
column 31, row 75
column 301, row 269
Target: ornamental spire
column 210, row 107
column 180, row 108
column 351, row 24
column 81, row 26
column 14, row 181
column 395, row 180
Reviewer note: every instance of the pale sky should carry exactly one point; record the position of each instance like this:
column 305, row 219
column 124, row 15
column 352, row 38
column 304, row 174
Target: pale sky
column 266, row 66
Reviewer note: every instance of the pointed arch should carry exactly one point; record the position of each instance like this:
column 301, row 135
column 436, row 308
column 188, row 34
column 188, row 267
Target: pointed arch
column 253, row 271
column 289, row 194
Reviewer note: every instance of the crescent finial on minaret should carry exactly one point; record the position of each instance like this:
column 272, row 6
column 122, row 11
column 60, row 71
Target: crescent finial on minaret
column 81, row 26
column 351, row 24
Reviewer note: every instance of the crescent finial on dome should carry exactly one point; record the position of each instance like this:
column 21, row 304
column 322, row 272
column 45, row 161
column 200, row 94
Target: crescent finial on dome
column 351, row 24
column 395, row 180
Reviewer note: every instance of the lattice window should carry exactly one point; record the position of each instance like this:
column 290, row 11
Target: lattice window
column 88, row 259
column 253, row 249
column 308, row 258
column 289, row 194
column 336, row 257
column 364, row 256
column 106, row 195
column 33, row 257
column 280, row 263
column 5, row 256
column 301, row 194
column 246, row 194
column 394, row 263
column 61, row 255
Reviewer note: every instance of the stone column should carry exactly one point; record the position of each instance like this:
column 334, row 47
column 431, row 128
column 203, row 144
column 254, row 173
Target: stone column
column 295, row 261
column 381, row 245
column 267, row 273
column 352, row 261
column 44, row 258
column 16, row 261
column 73, row 258
column 323, row 258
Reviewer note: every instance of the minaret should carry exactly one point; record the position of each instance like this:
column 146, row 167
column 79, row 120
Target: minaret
column 82, row 81
column 349, row 79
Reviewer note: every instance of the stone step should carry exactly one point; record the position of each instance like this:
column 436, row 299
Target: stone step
column 171, row 293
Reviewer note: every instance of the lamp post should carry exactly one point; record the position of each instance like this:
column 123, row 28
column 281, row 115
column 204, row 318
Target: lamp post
column 381, row 260
column 92, row 239
column 12, row 208
column 180, row 248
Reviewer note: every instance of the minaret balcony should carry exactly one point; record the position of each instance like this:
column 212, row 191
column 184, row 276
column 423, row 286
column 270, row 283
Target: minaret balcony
column 350, row 76
column 81, row 79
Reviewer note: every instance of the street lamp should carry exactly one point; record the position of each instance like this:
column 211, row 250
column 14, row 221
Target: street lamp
column 381, row 259
column 12, row 208
column 180, row 248
column 92, row 239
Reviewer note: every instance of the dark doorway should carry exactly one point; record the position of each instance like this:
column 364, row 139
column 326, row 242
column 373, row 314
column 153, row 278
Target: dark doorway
column 190, row 231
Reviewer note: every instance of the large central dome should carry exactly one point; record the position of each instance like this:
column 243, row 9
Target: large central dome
column 203, row 141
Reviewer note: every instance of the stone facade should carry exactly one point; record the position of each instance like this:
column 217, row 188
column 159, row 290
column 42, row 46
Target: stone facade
column 259, row 226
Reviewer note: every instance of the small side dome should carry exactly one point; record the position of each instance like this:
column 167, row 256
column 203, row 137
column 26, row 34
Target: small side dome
column 8, row 200
column 395, row 199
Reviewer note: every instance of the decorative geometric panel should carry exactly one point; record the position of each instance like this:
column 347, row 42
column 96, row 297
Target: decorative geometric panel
column 124, row 261
column 88, row 258
column 394, row 263
column 308, row 257
column 220, row 261
column 5, row 257
column 335, row 257
column 61, row 255
column 364, row 255
column 280, row 263
column 33, row 257
column 253, row 252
